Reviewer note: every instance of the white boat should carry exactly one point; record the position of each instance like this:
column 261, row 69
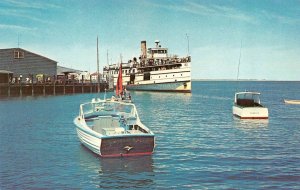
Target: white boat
column 291, row 101
column 155, row 70
column 113, row 129
column 247, row 106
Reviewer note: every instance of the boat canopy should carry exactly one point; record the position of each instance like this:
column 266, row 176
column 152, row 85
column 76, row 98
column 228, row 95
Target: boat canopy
column 247, row 96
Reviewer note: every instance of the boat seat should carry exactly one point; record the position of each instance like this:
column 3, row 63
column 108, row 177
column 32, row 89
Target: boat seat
column 245, row 102
column 102, row 122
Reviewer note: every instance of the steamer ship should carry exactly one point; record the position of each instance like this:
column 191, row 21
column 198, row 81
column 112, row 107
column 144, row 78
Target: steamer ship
column 154, row 70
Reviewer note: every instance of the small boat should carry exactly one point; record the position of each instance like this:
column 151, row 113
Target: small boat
column 291, row 101
column 247, row 106
column 113, row 129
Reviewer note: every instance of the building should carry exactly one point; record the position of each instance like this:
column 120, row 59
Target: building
column 25, row 64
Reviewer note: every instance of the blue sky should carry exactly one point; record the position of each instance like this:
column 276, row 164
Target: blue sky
column 66, row 31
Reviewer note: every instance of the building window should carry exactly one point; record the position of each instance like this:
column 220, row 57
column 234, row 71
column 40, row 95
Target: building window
column 18, row 54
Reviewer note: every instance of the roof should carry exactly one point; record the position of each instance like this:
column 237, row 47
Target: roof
column 5, row 72
column 255, row 93
column 62, row 70
column 29, row 52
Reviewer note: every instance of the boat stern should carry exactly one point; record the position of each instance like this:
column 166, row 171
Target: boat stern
column 250, row 112
column 127, row 146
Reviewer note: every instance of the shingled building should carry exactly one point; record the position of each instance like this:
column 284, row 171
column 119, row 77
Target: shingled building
column 25, row 64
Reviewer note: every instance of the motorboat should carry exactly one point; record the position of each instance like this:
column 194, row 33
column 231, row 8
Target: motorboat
column 247, row 106
column 113, row 129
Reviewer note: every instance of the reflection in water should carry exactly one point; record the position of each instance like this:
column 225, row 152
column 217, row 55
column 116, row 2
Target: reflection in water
column 118, row 172
column 248, row 124
column 129, row 164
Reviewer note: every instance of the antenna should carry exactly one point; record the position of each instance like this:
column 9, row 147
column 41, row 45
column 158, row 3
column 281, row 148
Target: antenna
column 188, row 44
column 237, row 77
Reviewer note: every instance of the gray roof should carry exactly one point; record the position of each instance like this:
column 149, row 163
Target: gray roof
column 5, row 72
column 61, row 70
column 29, row 52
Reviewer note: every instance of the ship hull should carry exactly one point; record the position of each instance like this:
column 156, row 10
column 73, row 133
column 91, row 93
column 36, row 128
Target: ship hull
column 184, row 86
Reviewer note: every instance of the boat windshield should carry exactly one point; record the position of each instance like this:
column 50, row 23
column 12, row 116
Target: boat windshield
column 248, row 96
column 108, row 108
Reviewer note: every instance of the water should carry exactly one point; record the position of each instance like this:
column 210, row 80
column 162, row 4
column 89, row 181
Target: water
column 199, row 144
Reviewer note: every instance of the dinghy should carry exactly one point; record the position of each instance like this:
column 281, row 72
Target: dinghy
column 291, row 101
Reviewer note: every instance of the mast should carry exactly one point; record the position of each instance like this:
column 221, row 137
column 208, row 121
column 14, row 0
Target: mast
column 98, row 75
column 238, row 71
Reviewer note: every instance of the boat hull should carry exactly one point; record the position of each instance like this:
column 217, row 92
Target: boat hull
column 250, row 112
column 162, row 87
column 127, row 146
column 116, row 146
column 90, row 141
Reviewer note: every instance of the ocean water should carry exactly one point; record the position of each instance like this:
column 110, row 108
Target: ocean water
column 199, row 144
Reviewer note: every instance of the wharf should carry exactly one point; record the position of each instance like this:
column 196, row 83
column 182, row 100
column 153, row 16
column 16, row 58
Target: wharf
column 43, row 89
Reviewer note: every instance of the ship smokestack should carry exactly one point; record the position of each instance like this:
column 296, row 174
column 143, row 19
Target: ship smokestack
column 143, row 49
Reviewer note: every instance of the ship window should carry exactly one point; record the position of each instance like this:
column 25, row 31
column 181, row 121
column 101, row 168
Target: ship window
column 166, row 75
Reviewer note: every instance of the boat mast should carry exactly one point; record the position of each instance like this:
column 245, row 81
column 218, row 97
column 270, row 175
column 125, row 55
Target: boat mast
column 98, row 75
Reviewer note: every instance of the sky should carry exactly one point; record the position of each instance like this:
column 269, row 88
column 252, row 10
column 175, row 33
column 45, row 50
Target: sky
column 263, row 35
